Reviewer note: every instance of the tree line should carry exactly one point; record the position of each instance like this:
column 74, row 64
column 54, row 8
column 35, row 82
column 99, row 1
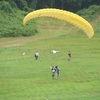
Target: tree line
column 71, row 5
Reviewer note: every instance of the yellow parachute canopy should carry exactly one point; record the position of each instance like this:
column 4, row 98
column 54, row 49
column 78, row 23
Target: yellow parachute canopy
column 66, row 16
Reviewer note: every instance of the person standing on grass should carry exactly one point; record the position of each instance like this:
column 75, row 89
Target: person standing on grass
column 57, row 71
column 69, row 55
column 36, row 55
column 53, row 69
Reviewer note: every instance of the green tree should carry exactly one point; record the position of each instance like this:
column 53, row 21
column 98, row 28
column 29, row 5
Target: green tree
column 32, row 3
column 71, row 5
column 21, row 4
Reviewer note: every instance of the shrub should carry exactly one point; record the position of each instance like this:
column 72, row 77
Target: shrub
column 12, row 4
column 90, row 13
column 27, row 9
column 11, row 25
column 4, row 6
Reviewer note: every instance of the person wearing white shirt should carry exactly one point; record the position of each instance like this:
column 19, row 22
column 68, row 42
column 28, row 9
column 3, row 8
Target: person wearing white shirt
column 36, row 55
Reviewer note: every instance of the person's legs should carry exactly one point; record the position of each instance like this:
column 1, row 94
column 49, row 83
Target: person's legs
column 69, row 58
column 53, row 75
column 56, row 75
column 36, row 57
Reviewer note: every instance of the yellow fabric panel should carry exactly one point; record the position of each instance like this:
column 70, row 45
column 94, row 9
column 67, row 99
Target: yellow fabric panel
column 66, row 16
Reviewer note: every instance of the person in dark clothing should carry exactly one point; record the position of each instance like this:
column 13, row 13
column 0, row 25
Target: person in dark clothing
column 69, row 55
column 53, row 71
column 57, row 72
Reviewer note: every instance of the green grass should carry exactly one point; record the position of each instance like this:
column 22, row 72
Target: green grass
column 24, row 78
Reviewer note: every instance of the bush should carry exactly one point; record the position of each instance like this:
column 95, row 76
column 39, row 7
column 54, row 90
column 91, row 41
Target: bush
column 90, row 13
column 17, row 32
column 12, row 4
column 27, row 9
column 11, row 22
column 4, row 6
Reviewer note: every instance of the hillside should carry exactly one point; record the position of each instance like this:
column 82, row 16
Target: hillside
column 11, row 21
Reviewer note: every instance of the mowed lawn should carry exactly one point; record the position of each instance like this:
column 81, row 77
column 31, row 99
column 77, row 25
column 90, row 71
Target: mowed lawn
column 24, row 78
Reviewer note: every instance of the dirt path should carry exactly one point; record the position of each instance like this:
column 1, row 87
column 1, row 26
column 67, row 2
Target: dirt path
column 17, row 41
column 9, row 42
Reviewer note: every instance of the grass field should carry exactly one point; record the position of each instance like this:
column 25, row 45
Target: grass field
column 24, row 78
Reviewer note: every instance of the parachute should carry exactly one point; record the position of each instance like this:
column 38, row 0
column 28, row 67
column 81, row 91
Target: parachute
column 63, row 15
